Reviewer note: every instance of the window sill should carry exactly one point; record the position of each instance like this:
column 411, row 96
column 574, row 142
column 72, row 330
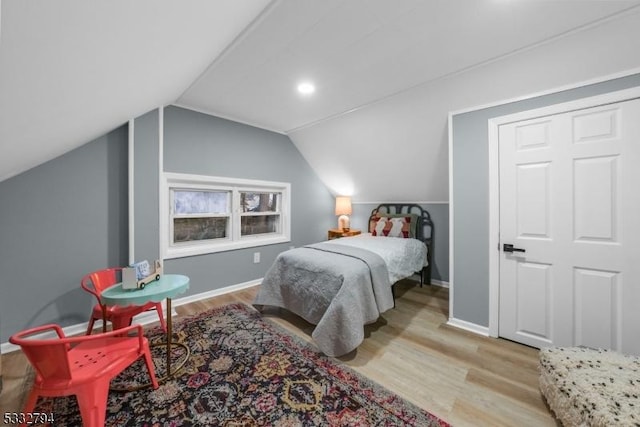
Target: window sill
column 209, row 248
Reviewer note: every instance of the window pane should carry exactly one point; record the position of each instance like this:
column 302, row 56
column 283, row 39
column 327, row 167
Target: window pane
column 198, row 202
column 191, row 229
column 259, row 202
column 259, row 224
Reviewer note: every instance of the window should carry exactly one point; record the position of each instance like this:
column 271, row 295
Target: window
column 199, row 215
column 205, row 214
column 259, row 213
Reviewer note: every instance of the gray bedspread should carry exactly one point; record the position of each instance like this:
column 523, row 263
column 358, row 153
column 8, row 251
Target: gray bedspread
column 336, row 287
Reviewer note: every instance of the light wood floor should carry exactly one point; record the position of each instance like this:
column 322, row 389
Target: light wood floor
column 459, row 376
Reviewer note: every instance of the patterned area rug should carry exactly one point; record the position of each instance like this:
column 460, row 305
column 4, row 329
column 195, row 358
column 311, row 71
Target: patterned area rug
column 247, row 371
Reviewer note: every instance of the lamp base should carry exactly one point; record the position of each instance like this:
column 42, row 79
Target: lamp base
column 343, row 223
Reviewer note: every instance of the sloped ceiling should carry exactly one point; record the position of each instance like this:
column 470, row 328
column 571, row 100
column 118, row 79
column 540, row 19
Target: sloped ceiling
column 360, row 51
column 71, row 70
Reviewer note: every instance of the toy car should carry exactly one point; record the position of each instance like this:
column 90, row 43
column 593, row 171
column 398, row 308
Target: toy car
column 153, row 276
column 136, row 277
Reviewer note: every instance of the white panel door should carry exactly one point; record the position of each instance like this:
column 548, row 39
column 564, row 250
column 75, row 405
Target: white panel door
column 570, row 206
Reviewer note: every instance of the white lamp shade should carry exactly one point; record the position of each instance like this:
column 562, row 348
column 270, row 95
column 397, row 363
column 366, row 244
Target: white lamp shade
column 343, row 205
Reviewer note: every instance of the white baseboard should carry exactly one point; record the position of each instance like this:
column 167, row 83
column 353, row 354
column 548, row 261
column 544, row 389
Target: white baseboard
column 215, row 292
column 150, row 316
column 468, row 326
column 80, row 328
column 143, row 318
column 440, row 283
column 434, row 282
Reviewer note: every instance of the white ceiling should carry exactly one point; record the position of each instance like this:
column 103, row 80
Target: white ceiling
column 72, row 70
column 360, row 51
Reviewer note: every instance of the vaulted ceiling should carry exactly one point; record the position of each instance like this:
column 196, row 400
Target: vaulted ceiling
column 360, row 51
column 71, row 70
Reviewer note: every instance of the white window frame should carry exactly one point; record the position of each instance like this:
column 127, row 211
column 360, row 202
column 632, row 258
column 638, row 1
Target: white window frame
column 177, row 181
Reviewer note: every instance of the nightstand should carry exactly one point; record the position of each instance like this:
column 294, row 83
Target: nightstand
column 336, row 233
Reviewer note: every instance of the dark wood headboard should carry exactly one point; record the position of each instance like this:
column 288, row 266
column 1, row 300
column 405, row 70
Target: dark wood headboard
column 424, row 229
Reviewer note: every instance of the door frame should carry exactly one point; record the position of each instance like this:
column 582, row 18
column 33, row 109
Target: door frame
column 494, row 181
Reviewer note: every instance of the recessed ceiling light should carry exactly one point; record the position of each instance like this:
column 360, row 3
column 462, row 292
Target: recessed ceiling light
column 306, row 88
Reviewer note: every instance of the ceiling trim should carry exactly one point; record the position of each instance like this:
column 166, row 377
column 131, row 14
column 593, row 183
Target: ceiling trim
column 630, row 10
column 583, row 83
column 227, row 117
column 419, row 202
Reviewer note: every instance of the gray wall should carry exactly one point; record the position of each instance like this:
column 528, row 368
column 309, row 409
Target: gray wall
column 69, row 216
column 439, row 215
column 471, row 195
column 201, row 144
column 145, row 190
column 59, row 221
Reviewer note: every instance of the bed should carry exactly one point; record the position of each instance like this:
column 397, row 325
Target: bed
column 343, row 284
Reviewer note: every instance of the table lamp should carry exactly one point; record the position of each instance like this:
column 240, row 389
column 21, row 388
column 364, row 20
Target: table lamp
column 343, row 208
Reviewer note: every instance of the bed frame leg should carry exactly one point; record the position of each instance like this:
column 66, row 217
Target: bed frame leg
column 425, row 276
column 393, row 294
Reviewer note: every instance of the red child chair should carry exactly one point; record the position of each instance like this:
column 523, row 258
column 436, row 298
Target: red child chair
column 82, row 365
column 119, row 317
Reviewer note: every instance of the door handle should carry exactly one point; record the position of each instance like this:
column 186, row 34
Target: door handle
column 509, row 248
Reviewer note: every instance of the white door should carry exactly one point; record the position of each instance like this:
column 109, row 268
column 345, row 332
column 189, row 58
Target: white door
column 570, row 200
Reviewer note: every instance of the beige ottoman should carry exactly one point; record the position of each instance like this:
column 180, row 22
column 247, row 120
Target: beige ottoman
column 591, row 387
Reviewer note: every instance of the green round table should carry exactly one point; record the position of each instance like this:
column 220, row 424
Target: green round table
column 167, row 287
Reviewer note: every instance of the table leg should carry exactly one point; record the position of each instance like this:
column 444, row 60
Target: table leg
column 169, row 337
column 169, row 343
